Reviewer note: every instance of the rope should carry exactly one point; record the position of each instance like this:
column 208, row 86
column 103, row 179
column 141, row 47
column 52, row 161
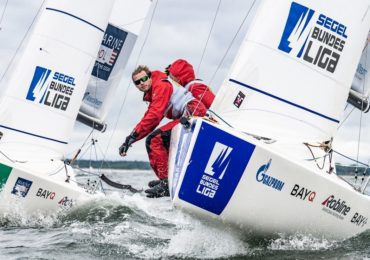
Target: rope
column 209, row 35
column 227, row 50
column 231, row 43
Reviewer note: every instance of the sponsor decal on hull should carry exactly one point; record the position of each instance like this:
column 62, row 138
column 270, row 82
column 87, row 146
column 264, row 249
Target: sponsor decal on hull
column 313, row 37
column 217, row 163
column 265, row 179
column 336, row 207
column 65, row 203
column 21, row 187
column 359, row 220
column 52, row 89
column 42, row 193
column 303, row 193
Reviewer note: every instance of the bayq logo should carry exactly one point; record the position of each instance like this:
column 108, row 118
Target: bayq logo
column 315, row 38
column 55, row 91
column 217, row 163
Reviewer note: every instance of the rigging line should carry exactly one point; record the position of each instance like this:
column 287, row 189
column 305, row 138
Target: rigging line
column 203, row 53
column 209, row 36
column 231, row 43
column 2, row 15
column 359, row 136
column 351, row 159
column 344, row 120
column 126, row 92
column 20, row 44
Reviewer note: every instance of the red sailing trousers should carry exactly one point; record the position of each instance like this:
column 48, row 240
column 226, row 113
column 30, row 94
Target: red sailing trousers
column 158, row 141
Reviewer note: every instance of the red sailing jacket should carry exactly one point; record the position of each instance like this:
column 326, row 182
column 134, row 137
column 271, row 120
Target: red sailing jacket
column 158, row 96
column 184, row 72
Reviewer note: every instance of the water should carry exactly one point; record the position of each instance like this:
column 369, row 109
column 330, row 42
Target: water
column 131, row 226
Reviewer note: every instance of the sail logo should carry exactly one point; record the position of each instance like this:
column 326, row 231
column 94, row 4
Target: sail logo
column 316, row 38
column 335, row 207
column 110, row 48
column 265, row 179
column 215, row 170
column 55, row 91
column 21, row 187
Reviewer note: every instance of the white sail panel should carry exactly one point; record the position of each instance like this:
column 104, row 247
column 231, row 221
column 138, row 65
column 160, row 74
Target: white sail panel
column 292, row 75
column 360, row 81
column 43, row 95
column 115, row 50
column 112, row 57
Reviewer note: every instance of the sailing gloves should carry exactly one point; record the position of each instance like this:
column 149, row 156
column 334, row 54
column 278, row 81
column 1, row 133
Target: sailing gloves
column 159, row 188
column 127, row 143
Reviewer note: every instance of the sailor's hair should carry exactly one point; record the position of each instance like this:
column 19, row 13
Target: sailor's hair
column 141, row 68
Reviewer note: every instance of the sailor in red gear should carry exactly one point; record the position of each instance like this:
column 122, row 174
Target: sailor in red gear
column 165, row 100
column 182, row 72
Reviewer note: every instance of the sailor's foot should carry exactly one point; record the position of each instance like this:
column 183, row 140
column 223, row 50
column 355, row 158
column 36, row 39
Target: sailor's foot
column 152, row 183
column 159, row 190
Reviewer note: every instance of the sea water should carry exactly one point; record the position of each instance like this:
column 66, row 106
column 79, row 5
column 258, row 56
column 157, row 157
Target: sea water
column 123, row 225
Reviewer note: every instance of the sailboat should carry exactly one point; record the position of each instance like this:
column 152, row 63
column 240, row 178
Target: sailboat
column 263, row 162
column 70, row 66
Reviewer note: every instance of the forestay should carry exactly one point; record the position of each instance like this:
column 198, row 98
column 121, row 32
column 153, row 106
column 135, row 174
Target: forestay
column 44, row 92
column 119, row 39
column 317, row 50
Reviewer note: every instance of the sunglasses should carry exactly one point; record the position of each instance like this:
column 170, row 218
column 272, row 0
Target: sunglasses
column 143, row 79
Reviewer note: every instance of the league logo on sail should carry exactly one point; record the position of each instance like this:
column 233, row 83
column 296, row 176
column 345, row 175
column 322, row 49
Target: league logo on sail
column 55, row 91
column 316, row 38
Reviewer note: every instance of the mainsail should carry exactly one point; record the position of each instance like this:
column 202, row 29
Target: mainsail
column 44, row 92
column 118, row 41
column 304, row 96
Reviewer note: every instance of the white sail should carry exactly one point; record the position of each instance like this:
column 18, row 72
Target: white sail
column 360, row 81
column 317, row 49
column 40, row 104
column 117, row 44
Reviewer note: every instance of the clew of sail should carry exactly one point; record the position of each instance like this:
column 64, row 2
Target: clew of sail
column 39, row 106
column 118, row 41
column 317, row 49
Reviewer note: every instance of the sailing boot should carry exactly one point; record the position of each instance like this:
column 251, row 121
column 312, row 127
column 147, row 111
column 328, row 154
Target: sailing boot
column 159, row 190
column 153, row 183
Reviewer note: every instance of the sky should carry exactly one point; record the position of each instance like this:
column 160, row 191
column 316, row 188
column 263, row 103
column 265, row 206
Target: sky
column 177, row 29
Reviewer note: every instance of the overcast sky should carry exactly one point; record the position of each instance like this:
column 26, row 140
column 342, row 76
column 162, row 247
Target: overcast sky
column 179, row 29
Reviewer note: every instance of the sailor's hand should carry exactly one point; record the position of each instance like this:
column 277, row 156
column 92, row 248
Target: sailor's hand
column 128, row 142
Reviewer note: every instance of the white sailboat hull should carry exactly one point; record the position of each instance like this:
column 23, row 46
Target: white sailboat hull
column 219, row 173
column 39, row 188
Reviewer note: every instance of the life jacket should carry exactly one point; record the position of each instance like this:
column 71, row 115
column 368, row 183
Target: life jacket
column 179, row 99
column 187, row 86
